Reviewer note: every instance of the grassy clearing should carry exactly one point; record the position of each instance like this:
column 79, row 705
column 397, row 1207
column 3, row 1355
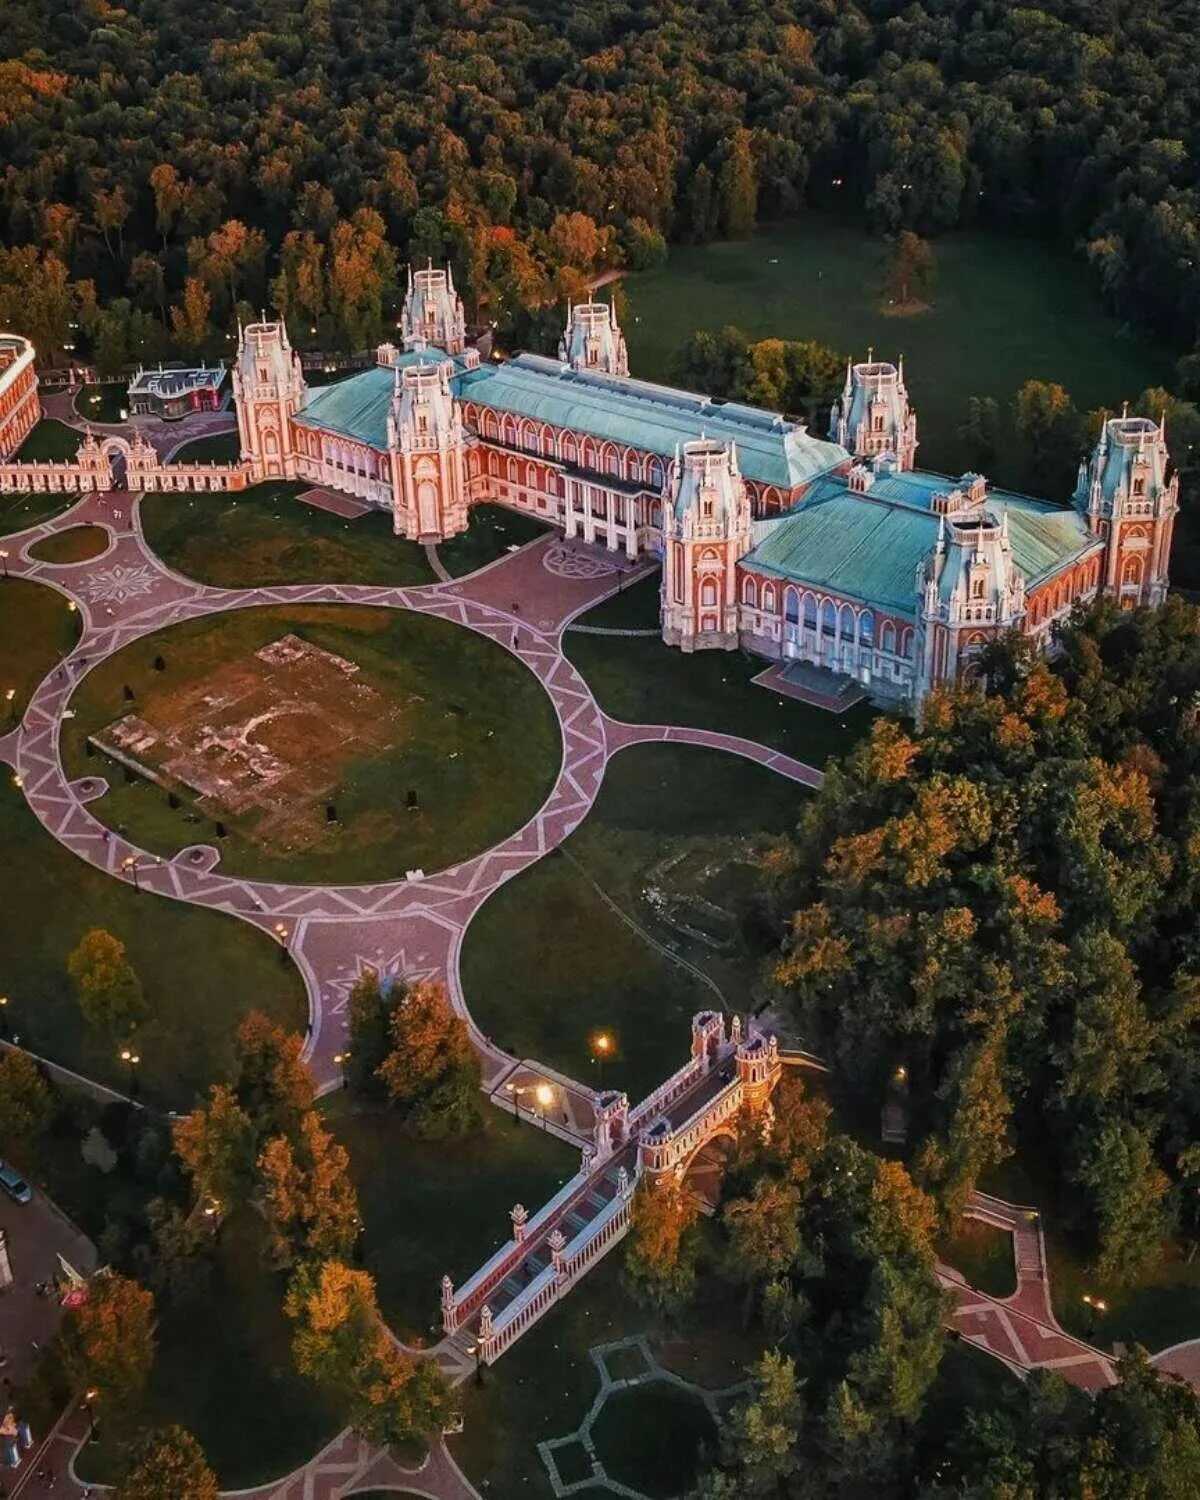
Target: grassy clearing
column 224, row 1370
column 475, row 736
column 265, row 536
column 634, row 608
column 50, row 440
column 76, row 544
column 644, row 682
column 36, row 631
column 217, row 448
column 440, row 1208
column 574, row 967
column 493, row 531
column 984, row 1255
column 1003, row 311
column 106, row 402
column 629, row 1438
column 201, row 970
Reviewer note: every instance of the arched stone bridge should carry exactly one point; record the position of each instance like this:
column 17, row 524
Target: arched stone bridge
column 727, row 1074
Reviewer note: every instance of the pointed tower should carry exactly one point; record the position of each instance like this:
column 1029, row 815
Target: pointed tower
column 592, row 339
column 1131, row 499
column 427, row 443
column 432, row 316
column 873, row 417
column 268, row 390
column 706, row 530
column 970, row 590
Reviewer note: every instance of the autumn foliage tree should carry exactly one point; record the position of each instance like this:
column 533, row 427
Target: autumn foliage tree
column 166, row 1463
column 108, row 990
column 431, row 1072
column 310, row 1202
column 108, row 1345
column 661, row 1249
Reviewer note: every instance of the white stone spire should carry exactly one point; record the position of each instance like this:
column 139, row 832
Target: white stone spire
column 592, row 339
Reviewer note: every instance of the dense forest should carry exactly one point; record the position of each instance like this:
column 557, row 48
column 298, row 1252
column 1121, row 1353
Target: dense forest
column 168, row 160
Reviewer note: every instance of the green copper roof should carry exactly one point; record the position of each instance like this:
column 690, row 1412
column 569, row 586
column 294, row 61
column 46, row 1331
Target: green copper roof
column 654, row 418
column 356, row 407
column 868, row 547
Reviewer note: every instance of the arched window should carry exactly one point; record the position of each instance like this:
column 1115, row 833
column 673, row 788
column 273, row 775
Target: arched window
column 512, row 471
column 768, row 598
column 791, row 606
column 708, row 591
column 654, row 473
column 1131, row 572
column 828, row 619
column 810, row 612
column 568, row 447
column 748, row 591
column 887, row 637
column 847, row 623
column 866, row 628
column 906, row 642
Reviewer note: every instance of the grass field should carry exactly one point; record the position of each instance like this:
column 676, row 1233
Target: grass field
column 574, row 966
column 644, row 682
column 224, row 1370
column 201, row 970
column 76, row 544
column 984, row 1254
column 218, row 447
column 470, row 730
column 493, row 530
column 440, row 1208
column 1003, row 311
column 265, row 536
column 36, row 631
column 629, row 1433
column 634, row 608
column 107, row 402
column 50, row 440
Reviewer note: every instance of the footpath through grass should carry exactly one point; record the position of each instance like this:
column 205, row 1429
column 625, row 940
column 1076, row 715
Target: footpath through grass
column 201, row 970
column 1003, row 310
column 642, row 681
column 440, row 1208
column 36, row 631
column 265, row 536
column 493, row 531
column 673, row 841
column 471, row 731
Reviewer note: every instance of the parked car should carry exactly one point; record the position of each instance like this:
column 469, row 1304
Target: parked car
column 14, row 1184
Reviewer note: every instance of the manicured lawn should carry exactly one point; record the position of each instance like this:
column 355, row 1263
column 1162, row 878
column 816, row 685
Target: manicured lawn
column 544, row 1385
column 76, row 544
column 984, row 1254
column 471, row 731
column 36, row 631
column 1003, row 311
column 634, row 608
column 201, row 970
column 573, row 966
column 265, row 536
column 18, row 512
column 224, row 1370
column 652, row 1438
column 51, row 440
column 644, row 682
column 494, row 529
column 440, row 1208
column 107, row 402
column 219, row 447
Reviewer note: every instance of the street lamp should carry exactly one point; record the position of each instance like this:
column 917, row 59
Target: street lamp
column 602, row 1045
column 93, row 1426
column 4, row 561
column 4, row 1014
column 544, row 1095
column 341, row 1058
column 477, row 1350
column 281, row 933
column 132, row 1059
column 10, row 698
column 130, row 863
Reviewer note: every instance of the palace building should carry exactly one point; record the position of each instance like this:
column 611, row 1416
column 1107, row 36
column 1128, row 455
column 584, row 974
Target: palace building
column 832, row 553
column 20, row 405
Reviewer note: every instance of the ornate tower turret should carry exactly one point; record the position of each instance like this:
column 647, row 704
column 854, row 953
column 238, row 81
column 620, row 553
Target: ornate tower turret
column 592, row 340
column 970, row 590
column 268, row 390
column 1130, row 498
column 427, row 443
column 706, row 530
column 432, row 315
column 873, row 416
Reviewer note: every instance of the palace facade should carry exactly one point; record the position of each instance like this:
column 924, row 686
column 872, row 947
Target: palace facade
column 833, row 552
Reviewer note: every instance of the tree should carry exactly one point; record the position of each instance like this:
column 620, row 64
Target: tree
column 190, row 318
column 1129, row 1197
column 111, row 209
column 341, row 1342
column 176, row 1263
column 218, row 1145
column 432, row 1072
column 26, row 1103
column 311, row 1205
column 737, row 186
column 108, row 1345
column 910, row 269
column 1049, row 433
column 979, row 432
column 760, row 1438
column 171, row 194
column 763, row 1231
column 272, row 1083
column 109, row 992
column 660, row 1252
column 166, row 1463
column 369, row 1012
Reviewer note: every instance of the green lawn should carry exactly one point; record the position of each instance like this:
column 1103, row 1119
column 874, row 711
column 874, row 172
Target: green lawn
column 201, row 970
column 50, row 440
column 652, row 1438
column 224, row 1371
column 634, row 608
column 440, row 1208
column 36, row 631
column 265, row 536
column 219, row 447
column 493, row 530
column 471, row 731
column 573, row 966
column 984, row 1254
column 644, row 682
column 543, row 1386
column 76, row 544
column 1004, row 310
column 107, row 402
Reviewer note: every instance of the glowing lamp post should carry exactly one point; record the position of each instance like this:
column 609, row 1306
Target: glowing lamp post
column 130, row 865
column 4, row 1015
column 10, row 697
column 89, row 1396
column 544, row 1095
column 602, row 1045
column 4, row 561
column 281, row 933
column 131, row 1060
column 342, row 1058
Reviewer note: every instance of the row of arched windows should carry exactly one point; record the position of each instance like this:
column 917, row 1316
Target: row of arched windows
column 825, row 617
column 1059, row 596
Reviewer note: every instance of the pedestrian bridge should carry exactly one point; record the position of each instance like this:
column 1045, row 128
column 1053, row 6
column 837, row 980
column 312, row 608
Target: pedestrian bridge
column 727, row 1075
